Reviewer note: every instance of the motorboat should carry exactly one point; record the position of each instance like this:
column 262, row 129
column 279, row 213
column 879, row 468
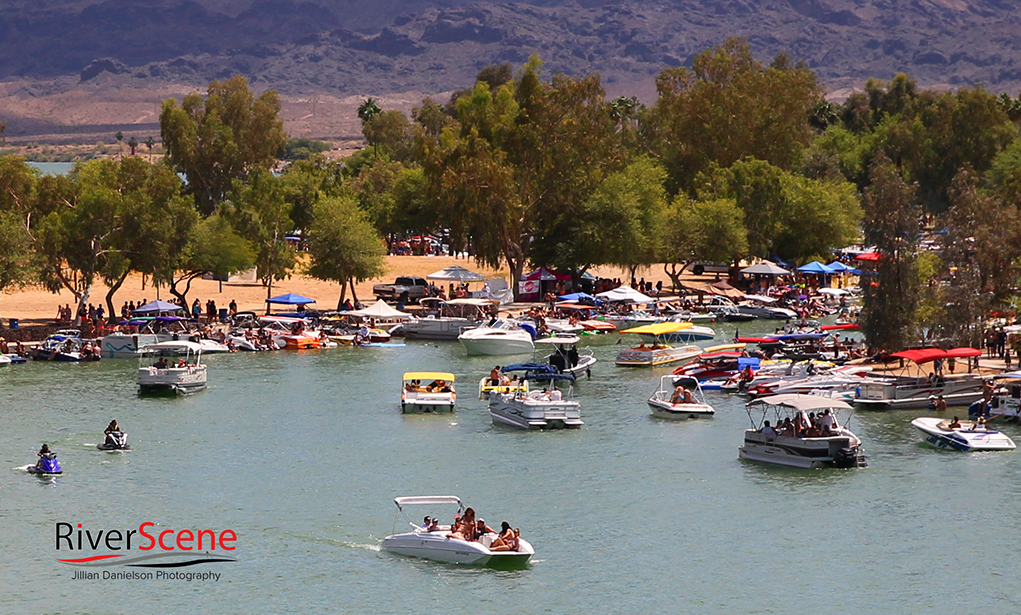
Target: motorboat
column 899, row 392
column 436, row 544
column 115, row 441
column 5, row 360
column 505, row 384
column 149, row 330
column 665, row 406
column 763, row 306
column 549, row 408
column 658, row 352
column 565, row 356
column 65, row 348
column 964, row 436
column 212, row 346
column 437, row 396
column 183, row 376
column 827, row 445
column 498, row 337
column 597, row 326
column 291, row 332
column 447, row 319
column 726, row 310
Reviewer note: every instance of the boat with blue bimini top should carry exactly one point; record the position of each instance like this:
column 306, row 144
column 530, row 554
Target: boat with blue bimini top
column 797, row 439
column 454, row 544
column 436, row 396
column 962, row 435
column 549, row 408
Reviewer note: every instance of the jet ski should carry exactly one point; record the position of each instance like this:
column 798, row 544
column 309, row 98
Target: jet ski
column 115, row 441
column 48, row 465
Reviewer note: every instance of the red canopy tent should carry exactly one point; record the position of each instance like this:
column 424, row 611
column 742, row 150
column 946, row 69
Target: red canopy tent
column 868, row 256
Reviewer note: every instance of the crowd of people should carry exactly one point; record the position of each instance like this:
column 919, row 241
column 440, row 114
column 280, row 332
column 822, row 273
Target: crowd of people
column 804, row 425
column 466, row 527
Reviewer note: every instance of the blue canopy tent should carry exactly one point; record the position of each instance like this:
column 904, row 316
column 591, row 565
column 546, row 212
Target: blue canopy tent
column 289, row 299
column 815, row 267
column 839, row 267
column 579, row 297
column 157, row 306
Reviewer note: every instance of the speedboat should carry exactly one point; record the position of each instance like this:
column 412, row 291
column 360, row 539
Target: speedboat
column 437, row 396
column 966, row 436
column 114, row 442
column 48, row 466
column 447, row 319
column 498, row 337
column 549, row 408
column 765, row 307
column 659, row 352
column 565, row 356
column 835, row 446
column 663, row 407
column 64, row 347
column 505, row 384
column 184, row 376
column 437, row 545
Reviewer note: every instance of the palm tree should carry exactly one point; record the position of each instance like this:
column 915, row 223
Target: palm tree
column 120, row 141
column 133, row 143
column 368, row 110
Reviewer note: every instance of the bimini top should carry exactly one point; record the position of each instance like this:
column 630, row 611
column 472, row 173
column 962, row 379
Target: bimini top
column 429, row 376
column 721, row 347
column 175, row 345
column 924, row 355
column 801, row 402
column 660, row 328
column 427, row 499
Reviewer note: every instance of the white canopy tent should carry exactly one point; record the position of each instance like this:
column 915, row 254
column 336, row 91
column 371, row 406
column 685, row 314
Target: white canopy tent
column 456, row 273
column 625, row 294
column 766, row 268
column 379, row 310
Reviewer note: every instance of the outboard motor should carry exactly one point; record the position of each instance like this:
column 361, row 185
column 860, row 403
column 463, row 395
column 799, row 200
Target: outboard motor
column 849, row 458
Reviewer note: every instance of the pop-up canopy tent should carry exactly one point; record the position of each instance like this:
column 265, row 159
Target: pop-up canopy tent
column 456, row 273
column 157, row 306
column 840, row 267
column 290, row 299
column 380, row 311
column 815, row 267
column 625, row 294
column 765, row 268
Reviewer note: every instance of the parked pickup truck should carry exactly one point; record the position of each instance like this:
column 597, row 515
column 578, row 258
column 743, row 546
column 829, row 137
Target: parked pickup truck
column 416, row 288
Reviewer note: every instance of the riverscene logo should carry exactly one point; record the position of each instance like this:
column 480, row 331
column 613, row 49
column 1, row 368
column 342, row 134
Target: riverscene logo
column 164, row 549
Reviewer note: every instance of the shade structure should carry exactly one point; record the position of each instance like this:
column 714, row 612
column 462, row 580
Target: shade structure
column 836, row 292
column 157, row 306
column 290, row 299
column 766, row 268
column 625, row 294
column 924, row 355
column 725, row 289
column 575, row 297
column 815, row 267
column 545, row 275
column 868, row 257
column 379, row 310
column 456, row 273
column 839, row 267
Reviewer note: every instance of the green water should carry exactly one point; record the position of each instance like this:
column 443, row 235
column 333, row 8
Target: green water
column 301, row 454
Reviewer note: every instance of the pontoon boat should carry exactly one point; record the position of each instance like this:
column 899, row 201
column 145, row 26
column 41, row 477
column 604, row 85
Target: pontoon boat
column 427, row 392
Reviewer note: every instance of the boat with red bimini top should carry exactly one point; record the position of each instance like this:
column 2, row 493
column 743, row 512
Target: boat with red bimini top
column 898, row 392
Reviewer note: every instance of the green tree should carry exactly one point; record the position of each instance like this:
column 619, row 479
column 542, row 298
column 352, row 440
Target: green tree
column 150, row 143
column 260, row 214
column 343, row 245
column 701, row 231
column 208, row 246
column 16, row 266
column 368, row 110
column 891, row 289
column 120, row 141
column 220, row 138
column 389, row 131
column 133, row 144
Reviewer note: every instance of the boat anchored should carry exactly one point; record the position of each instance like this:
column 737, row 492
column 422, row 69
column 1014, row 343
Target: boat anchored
column 670, row 403
column 499, row 337
column 186, row 375
column 441, row 543
column 803, row 444
column 565, row 356
column 549, row 408
column 659, row 352
column 437, row 396
column 961, row 435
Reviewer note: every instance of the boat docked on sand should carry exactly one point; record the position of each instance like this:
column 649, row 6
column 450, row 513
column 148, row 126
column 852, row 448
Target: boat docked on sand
column 187, row 375
column 659, row 352
column 914, row 391
column 664, row 406
column 549, row 408
column 437, row 545
column 966, row 436
column 832, row 446
column 437, row 396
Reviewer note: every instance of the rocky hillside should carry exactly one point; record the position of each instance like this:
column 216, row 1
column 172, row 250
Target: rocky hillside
column 345, row 47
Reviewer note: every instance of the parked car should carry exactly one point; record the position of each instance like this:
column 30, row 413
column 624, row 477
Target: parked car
column 416, row 288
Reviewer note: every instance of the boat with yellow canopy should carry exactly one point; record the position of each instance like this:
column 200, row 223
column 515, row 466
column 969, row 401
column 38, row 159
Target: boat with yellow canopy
column 658, row 352
column 428, row 392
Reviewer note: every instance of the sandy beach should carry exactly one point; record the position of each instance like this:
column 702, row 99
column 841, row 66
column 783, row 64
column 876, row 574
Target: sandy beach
column 36, row 305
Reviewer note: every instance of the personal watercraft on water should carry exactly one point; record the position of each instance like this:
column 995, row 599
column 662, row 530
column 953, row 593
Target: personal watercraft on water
column 115, row 441
column 48, row 464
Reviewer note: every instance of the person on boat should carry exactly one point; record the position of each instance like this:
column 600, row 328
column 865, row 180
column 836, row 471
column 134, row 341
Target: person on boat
column 801, row 424
column 161, row 364
column 941, row 404
column 494, row 376
column 481, row 528
column 827, row 423
column 112, row 427
column 45, row 450
column 506, row 541
column 679, row 394
column 767, row 430
column 955, row 424
column 788, row 428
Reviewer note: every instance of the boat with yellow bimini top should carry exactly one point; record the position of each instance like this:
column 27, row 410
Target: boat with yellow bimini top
column 428, row 392
column 658, row 352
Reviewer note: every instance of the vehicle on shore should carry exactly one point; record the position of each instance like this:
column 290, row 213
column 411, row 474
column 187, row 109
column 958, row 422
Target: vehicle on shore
column 405, row 288
column 437, row 544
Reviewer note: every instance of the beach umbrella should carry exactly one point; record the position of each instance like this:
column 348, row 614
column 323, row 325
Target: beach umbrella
column 815, row 267
column 456, row 273
column 290, row 299
column 868, row 256
column 379, row 310
column 765, row 268
column 725, row 289
column 157, row 306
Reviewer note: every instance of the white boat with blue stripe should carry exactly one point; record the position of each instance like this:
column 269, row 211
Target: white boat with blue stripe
column 962, row 435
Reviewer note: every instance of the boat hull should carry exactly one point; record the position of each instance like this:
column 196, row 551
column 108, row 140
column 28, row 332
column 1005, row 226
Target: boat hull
column 177, row 381
column 524, row 413
column 806, row 453
column 666, row 410
column 651, row 357
column 437, row 547
column 966, row 440
column 497, row 347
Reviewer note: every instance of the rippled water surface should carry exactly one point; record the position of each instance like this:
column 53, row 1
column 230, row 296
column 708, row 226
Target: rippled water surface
column 302, row 454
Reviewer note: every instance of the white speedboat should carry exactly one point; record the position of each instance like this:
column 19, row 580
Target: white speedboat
column 565, row 356
column 965, row 436
column 427, row 392
column 180, row 376
column 498, row 337
column 549, row 408
column 437, row 545
column 664, row 405
column 765, row 307
column 832, row 445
